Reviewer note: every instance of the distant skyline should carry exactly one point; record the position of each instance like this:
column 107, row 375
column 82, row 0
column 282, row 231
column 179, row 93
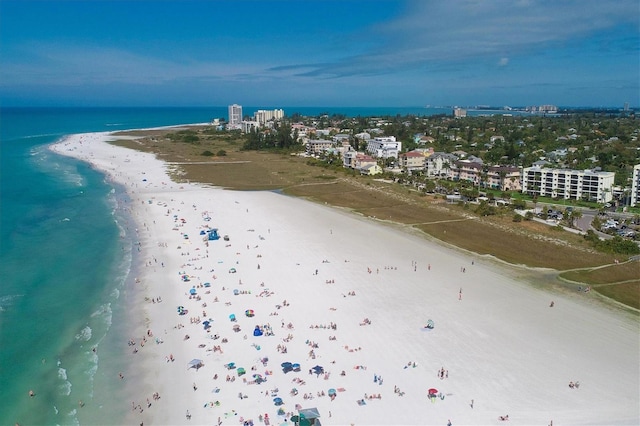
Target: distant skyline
column 320, row 53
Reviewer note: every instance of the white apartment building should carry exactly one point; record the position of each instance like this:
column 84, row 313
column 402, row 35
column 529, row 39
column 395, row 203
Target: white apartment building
column 635, row 186
column 262, row 116
column 235, row 115
column 249, row 126
column 439, row 163
column 588, row 185
column 384, row 147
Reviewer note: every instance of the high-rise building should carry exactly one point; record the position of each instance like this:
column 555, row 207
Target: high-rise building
column 459, row 112
column 235, row 115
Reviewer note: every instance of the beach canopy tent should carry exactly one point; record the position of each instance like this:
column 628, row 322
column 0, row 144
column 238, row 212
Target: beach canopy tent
column 286, row 367
column 318, row 369
column 196, row 363
column 308, row 417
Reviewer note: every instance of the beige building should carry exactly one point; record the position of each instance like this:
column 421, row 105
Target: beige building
column 412, row 160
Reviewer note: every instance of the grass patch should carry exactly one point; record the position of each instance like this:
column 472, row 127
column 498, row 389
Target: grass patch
column 625, row 293
column 518, row 248
column 607, row 275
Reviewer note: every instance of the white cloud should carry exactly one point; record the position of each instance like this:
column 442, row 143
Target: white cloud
column 63, row 65
column 434, row 33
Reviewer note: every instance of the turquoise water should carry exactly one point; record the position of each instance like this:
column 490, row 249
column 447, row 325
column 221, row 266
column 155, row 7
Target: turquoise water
column 65, row 255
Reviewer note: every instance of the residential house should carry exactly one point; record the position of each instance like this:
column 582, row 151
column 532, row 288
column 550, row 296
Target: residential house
column 370, row 169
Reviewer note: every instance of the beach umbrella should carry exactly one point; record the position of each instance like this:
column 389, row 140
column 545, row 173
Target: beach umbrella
column 433, row 391
column 232, row 317
column 241, row 371
column 195, row 363
column 192, row 291
column 332, row 391
column 249, row 313
column 277, row 401
column 207, row 284
column 318, row 369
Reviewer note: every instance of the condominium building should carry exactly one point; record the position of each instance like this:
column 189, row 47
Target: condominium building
column 459, row 112
column 318, row 146
column 590, row 185
column 439, row 163
column 635, row 186
column 262, row 116
column 384, row 147
column 235, row 115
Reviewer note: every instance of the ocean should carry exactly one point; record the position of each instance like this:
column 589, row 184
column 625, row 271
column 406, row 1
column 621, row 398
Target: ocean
column 65, row 262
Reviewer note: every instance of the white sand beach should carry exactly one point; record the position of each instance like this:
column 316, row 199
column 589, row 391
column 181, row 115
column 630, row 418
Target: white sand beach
column 352, row 296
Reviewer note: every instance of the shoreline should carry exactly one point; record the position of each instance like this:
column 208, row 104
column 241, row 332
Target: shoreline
column 293, row 238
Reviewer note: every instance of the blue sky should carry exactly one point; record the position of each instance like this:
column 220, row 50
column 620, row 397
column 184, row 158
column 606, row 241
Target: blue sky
column 319, row 53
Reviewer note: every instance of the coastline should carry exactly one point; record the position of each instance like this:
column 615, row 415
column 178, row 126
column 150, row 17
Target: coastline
column 506, row 349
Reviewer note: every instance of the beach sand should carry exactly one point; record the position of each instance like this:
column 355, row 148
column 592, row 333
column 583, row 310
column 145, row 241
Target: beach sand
column 353, row 296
